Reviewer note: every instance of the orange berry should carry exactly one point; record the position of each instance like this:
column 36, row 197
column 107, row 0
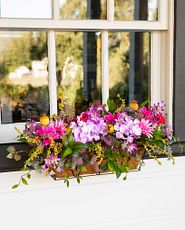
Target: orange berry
column 134, row 105
column 44, row 120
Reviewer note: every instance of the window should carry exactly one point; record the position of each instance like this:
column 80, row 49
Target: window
column 81, row 51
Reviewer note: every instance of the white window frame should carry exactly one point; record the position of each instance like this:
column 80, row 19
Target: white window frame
column 161, row 52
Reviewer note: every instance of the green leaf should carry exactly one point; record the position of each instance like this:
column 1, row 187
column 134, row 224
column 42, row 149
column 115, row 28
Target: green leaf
column 145, row 103
column 24, row 181
column 77, row 146
column 28, row 175
column 111, row 166
column 11, row 149
column 111, row 105
column 78, row 179
column 17, row 157
column 67, row 182
column 104, row 167
column 22, row 139
column 10, row 156
column 67, row 152
column 125, row 177
column 118, row 172
column 15, row 186
column 76, row 154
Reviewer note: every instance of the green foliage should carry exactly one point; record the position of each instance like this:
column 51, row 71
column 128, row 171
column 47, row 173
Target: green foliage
column 111, row 105
column 13, row 153
column 15, row 186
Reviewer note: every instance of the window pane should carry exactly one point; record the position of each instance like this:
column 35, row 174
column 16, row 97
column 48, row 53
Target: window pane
column 83, row 9
column 26, row 9
column 78, row 69
column 23, row 76
column 129, row 65
column 136, row 10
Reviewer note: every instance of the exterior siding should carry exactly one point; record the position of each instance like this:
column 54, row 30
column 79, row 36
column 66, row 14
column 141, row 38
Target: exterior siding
column 179, row 70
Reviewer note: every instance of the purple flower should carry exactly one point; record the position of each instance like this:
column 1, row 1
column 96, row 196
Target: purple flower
column 130, row 148
column 169, row 132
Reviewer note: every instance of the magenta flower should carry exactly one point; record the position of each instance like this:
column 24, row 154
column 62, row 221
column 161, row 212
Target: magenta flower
column 109, row 118
column 55, row 130
column 147, row 113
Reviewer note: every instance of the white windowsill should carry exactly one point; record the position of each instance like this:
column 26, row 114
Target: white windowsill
column 42, row 181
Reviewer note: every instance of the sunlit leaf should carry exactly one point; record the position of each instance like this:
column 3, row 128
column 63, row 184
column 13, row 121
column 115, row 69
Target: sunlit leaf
column 10, row 156
column 11, row 149
column 28, row 175
column 15, row 186
column 67, row 152
column 24, row 181
column 17, row 157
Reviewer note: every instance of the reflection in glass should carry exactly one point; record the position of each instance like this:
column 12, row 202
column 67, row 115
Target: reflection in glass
column 83, row 9
column 26, row 9
column 136, row 10
column 78, row 69
column 129, row 66
column 23, row 76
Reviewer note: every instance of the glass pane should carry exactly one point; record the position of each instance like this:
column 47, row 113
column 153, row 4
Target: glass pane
column 26, row 9
column 136, row 10
column 129, row 65
column 78, row 69
column 23, row 76
column 83, row 9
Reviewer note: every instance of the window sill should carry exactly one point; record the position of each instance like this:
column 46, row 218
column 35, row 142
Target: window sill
column 43, row 182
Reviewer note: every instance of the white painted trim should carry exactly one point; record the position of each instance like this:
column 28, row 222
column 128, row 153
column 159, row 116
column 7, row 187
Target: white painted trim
column 55, row 9
column 52, row 72
column 8, row 133
column 110, row 10
column 105, row 67
column 156, row 65
column 167, row 63
column 81, row 24
column 163, row 12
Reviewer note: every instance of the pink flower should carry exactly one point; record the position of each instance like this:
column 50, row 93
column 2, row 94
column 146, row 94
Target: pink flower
column 146, row 127
column 119, row 135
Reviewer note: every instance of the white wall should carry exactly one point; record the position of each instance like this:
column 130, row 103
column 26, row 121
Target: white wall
column 152, row 199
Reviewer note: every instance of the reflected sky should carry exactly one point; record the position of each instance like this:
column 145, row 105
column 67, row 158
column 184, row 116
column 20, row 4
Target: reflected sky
column 26, row 9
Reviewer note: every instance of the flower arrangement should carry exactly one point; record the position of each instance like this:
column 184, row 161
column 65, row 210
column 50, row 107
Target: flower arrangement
column 103, row 138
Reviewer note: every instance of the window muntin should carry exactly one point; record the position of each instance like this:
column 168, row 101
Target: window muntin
column 26, row 9
column 78, row 69
column 105, row 26
column 129, row 66
column 129, row 10
column 83, row 9
column 23, row 76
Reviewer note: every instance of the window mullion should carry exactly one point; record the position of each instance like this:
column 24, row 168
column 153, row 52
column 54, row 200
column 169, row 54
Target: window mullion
column 163, row 12
column 110, row 10
column 105, row 67
column 56, row 9
column 156, row 67
column 52, row 72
